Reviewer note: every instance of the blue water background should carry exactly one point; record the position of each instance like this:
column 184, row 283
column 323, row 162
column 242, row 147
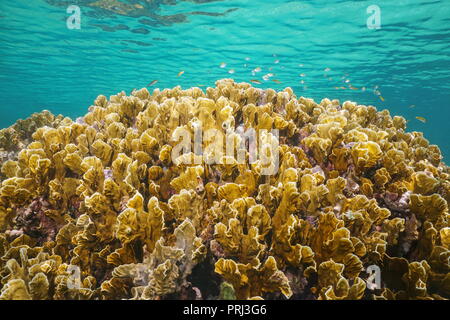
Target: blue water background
column 45, row 65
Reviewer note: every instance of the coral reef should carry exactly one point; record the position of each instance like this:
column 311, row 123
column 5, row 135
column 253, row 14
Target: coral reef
column 19, row 135
column 100, row 209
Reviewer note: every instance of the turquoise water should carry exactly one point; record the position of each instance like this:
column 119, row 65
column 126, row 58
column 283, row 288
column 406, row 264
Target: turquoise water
column 313, row 47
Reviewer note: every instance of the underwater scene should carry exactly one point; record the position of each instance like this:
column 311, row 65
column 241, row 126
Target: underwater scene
column 224, row 150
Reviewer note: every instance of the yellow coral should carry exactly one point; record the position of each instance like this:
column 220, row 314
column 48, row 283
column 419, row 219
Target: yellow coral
column 341, row 187
column 249, row 281
column 366, row 154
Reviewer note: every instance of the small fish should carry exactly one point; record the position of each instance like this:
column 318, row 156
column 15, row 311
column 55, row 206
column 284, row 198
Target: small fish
column 223, row 65
column 347, row 81
column 412, row 106
column 267, row 76
column 276, row 81
column 301, row 65
column 152, row 83
column 343, row 88
column 353, row 88
column 381, row 98
column 327, row 69
column 255, row 81
column 258, row 69
column 422, row 119
column 302, row 74
column 247, row 59
column 231, row 71
column 139, row 6
column 180, row 73
column 363, row 89
column 201, row 85
column 276, row 61
column 302, row 81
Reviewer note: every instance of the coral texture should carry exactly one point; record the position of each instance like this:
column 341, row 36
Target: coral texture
column 98, row 209
column 19, row 135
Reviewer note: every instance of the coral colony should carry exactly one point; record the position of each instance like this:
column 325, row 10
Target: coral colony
column 111, row 207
